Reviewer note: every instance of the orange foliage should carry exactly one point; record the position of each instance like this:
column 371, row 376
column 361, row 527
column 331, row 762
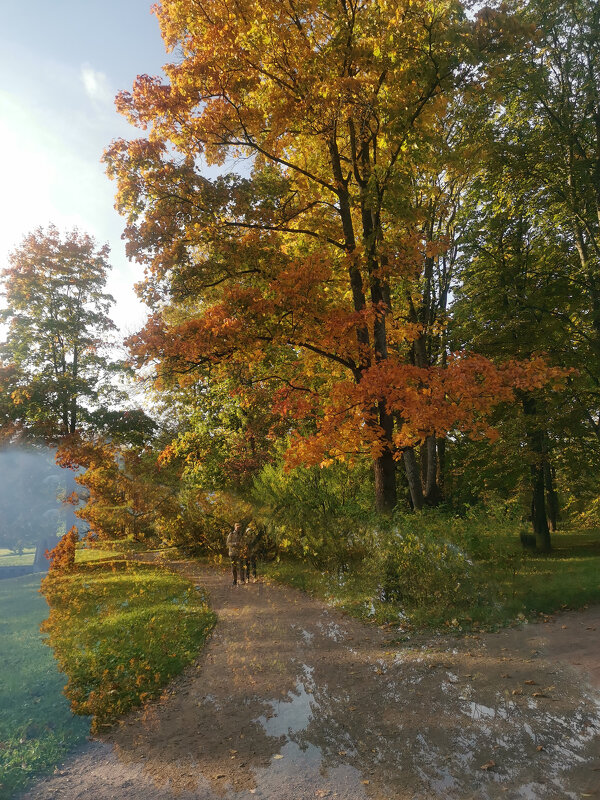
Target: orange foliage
column 62, row 557
column 308, row 272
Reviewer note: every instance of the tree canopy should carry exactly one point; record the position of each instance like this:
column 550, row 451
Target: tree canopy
column 54, row 364
column 315, row 272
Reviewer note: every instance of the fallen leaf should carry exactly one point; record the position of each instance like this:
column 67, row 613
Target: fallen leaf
column 341, row 752
column 530, row 683
column 540, row 694
column 278, row 755
column 505, row 675
column 517, row 691
column 488, row 765
column 366, row 783
column 539, row 747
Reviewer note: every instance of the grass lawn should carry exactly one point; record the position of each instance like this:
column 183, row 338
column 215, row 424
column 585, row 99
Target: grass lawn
column 523, row 585
column 120, row 631
column 37, row 728
column 9, row 559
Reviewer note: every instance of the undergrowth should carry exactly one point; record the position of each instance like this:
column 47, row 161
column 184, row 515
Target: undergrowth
column 469, row 573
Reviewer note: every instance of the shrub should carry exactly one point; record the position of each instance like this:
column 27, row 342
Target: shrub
column 62, row 557
column 434, row 558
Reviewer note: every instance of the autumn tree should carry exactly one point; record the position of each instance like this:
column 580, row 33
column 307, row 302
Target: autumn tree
column 54, row 371
column 315, row 271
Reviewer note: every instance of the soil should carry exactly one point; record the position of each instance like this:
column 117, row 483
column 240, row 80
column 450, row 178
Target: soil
column 291, row 700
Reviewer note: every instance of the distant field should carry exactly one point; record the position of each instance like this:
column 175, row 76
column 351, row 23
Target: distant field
column 37, row 729
column 9, row 559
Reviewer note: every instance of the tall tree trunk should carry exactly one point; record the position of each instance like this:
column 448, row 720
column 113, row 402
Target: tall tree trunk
column 535, row 436
column 551, row 495
column 413, row 477
column 432, row 490
column 441, row 449
column 538, row 509
column 385, row 466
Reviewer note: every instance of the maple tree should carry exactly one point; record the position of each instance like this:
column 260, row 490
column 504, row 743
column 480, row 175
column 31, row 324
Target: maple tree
column 52, row 370
column 308, row 272
column 119, row 484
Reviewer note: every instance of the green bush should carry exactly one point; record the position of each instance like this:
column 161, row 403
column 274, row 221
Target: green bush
column 418, row 569
column 320, row 515
column 434, row 558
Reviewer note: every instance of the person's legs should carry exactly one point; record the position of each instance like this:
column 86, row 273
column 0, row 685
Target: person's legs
column 234, row 569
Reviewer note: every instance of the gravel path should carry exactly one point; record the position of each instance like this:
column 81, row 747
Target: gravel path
column 290, row 700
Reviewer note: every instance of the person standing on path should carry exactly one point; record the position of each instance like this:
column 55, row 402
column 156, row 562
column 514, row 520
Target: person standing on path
column 252, row 542
column 234, row 546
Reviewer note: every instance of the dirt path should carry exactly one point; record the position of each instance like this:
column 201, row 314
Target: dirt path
column 291, row 700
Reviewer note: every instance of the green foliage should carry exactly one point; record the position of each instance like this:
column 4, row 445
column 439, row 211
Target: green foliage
column 436, row 559
column 316, row 513
column 121, row 631
column 503, row 586
column 53, row 362
column 37, row 729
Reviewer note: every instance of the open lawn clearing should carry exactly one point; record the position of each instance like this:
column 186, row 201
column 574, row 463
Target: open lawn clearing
column 8, row 558
column 37, row 728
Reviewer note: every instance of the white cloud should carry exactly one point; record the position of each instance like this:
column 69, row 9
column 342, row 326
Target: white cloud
column 96, row 85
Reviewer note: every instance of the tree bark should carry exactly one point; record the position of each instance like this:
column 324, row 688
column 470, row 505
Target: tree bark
column 385, row 482
column 413, row 477
column 385, row 466
column 432, row 489
column 535, row 436
column 441, row 449
column 551, row 495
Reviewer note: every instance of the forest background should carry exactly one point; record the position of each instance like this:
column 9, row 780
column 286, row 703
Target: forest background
column 377, row 333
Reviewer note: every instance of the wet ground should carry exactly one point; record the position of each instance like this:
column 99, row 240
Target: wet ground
column 291, row 700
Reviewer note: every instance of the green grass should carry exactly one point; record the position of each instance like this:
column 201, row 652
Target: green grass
column 568, row 577
column 37, row 728
column 9, row 559
column 121, row 630
column 520, row 585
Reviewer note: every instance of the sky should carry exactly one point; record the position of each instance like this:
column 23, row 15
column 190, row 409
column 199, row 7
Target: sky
column 61, row 64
